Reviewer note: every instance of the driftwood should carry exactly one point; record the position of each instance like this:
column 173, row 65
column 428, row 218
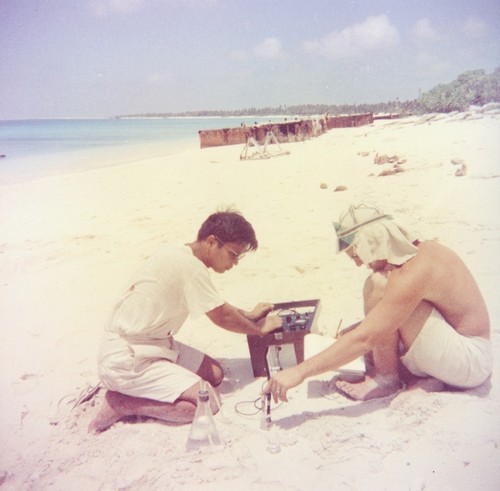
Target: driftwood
column 253, row 150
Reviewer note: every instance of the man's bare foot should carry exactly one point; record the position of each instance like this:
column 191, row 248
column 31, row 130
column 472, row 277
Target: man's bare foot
column 117, row 406
column 106, row 417
column 370, row 388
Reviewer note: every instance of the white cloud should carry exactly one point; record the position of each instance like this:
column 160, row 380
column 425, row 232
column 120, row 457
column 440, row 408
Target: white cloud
column 423, row 31
column 269, row 49
column 475, row 27
column 103, row 8
column 375, row 33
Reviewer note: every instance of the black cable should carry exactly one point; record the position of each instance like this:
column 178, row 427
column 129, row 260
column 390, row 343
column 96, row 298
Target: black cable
column 255, row 405
column 238, row 411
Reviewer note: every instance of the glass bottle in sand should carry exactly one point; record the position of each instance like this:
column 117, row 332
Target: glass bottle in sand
column 203, row 435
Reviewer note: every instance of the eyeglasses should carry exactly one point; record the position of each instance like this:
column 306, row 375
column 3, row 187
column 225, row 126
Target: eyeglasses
column 235, row 256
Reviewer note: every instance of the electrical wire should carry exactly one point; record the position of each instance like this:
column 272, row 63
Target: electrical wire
column 256, row 405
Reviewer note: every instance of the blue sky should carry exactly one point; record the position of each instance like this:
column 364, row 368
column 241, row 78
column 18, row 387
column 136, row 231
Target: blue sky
column 99, row 58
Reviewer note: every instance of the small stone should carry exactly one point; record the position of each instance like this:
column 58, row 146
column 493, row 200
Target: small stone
column 340, row 188
column 462, row 171
column 387, row 172
column 3, row 477
column 385, row 159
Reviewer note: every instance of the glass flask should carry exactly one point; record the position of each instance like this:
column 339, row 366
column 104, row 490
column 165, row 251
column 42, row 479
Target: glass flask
column 203, row 435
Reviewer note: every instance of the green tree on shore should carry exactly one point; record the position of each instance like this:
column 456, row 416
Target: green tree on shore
column 474, row 87
column 470, row 88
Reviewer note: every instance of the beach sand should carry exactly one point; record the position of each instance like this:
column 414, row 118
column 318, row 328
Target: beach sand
column 68, row 244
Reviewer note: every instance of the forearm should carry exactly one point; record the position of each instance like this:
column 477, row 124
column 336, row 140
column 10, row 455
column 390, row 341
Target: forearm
column 246, row 314
column 347, row 348
column 234, row 320
column 260, row 311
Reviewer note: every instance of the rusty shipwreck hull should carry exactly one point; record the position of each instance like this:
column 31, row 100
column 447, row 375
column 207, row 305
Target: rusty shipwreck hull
column 288, row 131
column 284, row 132
column 349, row 121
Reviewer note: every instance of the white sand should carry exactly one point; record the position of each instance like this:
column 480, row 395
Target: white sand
column 68, row 244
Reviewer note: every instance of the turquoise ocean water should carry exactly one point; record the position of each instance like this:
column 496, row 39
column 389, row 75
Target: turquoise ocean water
column 29, row 147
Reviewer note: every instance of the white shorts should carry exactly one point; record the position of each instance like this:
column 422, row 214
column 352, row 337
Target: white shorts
column 157, row 378
column 441, row 352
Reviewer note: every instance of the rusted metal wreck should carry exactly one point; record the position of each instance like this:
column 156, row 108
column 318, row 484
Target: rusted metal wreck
column 287, row 131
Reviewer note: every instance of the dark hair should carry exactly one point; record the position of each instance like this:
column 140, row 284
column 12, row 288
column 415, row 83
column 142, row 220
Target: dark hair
column 229, row 226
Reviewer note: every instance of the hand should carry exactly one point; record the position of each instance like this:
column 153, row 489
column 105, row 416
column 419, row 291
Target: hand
column 280, row 382
column 269, row 324
column 260, row 311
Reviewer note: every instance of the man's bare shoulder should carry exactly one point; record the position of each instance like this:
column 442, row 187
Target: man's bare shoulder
column 436, row 255
column 433, row 247
column 434, row 272
column 418, row 273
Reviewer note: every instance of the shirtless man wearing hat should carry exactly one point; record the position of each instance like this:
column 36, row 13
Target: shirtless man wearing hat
column 423, row 308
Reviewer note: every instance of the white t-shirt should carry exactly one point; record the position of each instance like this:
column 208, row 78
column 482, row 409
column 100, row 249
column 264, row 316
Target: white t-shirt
column 169, row 286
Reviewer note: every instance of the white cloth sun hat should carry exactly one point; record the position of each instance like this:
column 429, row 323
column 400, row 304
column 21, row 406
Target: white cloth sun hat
column 374, row 235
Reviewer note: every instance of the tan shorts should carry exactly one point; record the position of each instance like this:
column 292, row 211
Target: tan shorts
column 439, row 351
column 157, row 378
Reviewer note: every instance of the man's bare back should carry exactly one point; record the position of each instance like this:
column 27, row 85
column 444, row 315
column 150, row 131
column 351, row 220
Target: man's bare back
column 440, row 277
